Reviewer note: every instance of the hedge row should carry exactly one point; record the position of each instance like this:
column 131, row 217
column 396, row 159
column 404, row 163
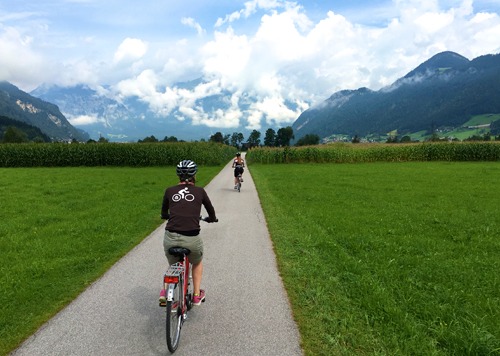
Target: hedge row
column 113, row 154
column 353, row 153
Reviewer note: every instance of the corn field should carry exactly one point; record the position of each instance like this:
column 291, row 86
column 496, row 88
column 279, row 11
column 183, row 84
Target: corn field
column 351, row 153
column 113, row 154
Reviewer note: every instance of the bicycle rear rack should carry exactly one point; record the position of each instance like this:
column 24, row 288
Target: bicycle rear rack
column 176, row 270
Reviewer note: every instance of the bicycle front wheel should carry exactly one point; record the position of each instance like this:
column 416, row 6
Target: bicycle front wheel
column 174, row 317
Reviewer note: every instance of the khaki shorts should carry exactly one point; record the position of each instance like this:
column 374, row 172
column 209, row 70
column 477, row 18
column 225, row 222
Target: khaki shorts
column 194, row 243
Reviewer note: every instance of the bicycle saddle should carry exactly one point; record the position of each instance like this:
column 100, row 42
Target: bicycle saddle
column 179, row 251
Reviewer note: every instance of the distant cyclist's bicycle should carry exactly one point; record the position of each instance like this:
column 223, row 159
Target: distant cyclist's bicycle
column 179, row 295
column 238, row 185
column 238, row 172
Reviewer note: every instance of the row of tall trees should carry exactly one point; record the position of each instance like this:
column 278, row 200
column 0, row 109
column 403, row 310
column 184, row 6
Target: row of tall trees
column 272, row 138
column 152, row 138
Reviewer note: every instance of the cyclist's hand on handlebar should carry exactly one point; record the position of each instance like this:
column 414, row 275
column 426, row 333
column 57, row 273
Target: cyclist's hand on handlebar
column 208, row 219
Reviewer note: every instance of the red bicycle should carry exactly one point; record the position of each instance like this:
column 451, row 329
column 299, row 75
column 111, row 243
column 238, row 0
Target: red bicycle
column 179, row 295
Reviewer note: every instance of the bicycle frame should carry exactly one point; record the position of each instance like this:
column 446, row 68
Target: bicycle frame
column 239, row 182
column 179, row 300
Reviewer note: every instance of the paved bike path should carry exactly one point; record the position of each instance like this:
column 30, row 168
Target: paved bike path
column 246, row 311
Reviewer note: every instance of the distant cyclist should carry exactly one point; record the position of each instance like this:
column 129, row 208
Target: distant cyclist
column 182, row 207
column 238, row 165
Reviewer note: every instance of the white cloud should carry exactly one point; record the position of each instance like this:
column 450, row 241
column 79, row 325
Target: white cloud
column 229, row 118
column 275, row 111
column 131, row 49
column 82, row 119
column 251, row 7
column 226, row 56
column 287, row 56
column 288, row 51
column 188, row 21
column 19, row 63
column 254, row 120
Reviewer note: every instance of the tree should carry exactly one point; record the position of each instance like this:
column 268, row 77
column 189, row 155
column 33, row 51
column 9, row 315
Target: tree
column 103, row 140
column 356, row 139
column 217, row 137
column 484, row 137
column 254, row 139
column 405, row 139
column 284, row 136
column 270, row 138
column 434, row 138
column 170, row 139
column 495, row 127
column 307, row 140
column 392, row 139
column 236, row 139
column 14, row 135
column 39, row 139
column 148, row 139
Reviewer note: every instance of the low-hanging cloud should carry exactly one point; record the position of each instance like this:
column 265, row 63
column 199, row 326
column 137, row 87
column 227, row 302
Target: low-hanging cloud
column 337, row 53
column 287, row 63
column 83, row 120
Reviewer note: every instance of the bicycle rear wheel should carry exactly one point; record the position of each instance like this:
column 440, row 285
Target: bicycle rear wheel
column 174, row 317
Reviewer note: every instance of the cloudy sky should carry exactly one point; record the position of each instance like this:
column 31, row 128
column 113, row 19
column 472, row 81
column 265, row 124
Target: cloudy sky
column 277, row 51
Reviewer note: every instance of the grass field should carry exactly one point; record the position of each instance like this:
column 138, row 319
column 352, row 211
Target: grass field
column 388, row 258
column 377, row 258
column 482, row 119
column 61, row 228
column 462, row 133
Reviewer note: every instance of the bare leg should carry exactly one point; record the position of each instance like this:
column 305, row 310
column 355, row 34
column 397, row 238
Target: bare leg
column 197, row 274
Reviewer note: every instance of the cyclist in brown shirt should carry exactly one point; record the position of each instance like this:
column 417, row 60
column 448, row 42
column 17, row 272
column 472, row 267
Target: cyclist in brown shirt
column 182, row 208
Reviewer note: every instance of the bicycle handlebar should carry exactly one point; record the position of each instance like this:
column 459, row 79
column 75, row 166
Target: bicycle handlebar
column 203, row 218
column 207, row 219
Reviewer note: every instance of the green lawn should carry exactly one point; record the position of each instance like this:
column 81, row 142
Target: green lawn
column 388, row 258
column 64, row 227
column 482, row 119
column 379, row 258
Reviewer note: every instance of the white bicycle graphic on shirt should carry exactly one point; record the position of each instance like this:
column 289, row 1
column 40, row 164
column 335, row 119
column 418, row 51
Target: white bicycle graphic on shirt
column 183, row 194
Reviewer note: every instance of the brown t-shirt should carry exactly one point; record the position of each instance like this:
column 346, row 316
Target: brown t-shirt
column 182, row 206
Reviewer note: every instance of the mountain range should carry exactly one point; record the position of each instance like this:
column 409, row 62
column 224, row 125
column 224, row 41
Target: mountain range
column 444, row 92
column 130, row 119
column 18, row 105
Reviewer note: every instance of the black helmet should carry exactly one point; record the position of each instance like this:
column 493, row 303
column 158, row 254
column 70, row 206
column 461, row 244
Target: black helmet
column 186, row 169
column 238, row 154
